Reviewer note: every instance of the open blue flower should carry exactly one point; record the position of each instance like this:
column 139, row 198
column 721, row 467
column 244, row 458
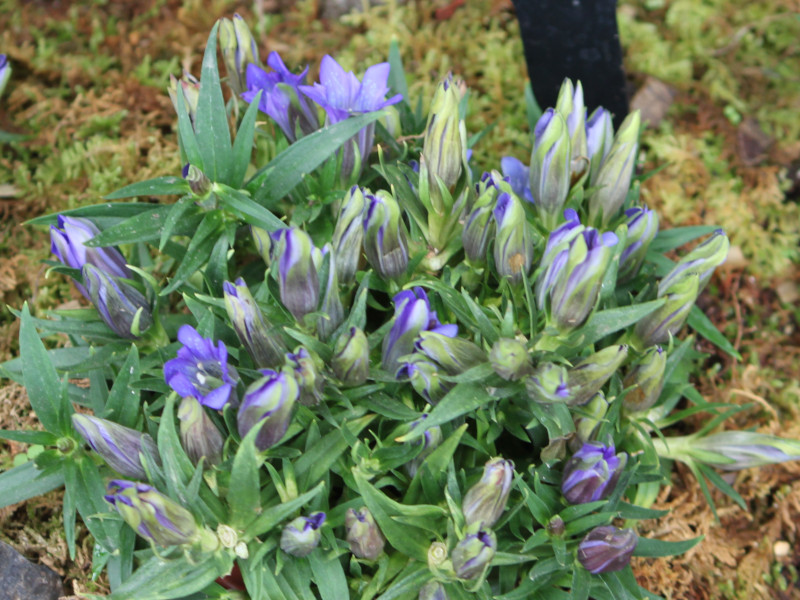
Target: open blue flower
column 201, row 370
column 280, row 97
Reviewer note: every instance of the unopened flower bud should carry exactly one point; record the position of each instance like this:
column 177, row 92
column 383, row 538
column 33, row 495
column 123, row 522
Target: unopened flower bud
column 298, row 284
column 151, row 514
column 365, row 539
column 238, row 50
column 429, row 441
column 485, row 501
column 513, row 246
column 302, row 535
column 593, row 413
column 556, row 527
column 121, row 306
column 614, row 175
column 307, row 372
column 587, row 377
column 119, row 446
column 385, row 236
column 642, row 230
column 186, row 90
column 433, row 590
column 592, row 473
column 5, row 72
column 645, row 380
column 478, row 229
column 701, row 261
column 197, row 180
column 548, row 383
column 200, row 438
column 350, row 360
column 550, row 166
column 473, row 554
column 599, row 137
column 261, row 340
column 269, row 399
column 454, row 354
column 331, row 302
column 510, row 360
column 737, row 450
column 666, row 321
column 570, row 105
column 349, row 234
column 606, row 549
column 424, row 377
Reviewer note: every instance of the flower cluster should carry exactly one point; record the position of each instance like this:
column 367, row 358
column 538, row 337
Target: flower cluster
column 377, row 366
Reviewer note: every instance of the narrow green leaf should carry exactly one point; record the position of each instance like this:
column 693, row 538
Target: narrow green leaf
column 409, row 584
column 329, row 576
column 243, row 490
column 669, row 239
column 158, row 186
column 41, row 380
column 650, row 547
column 144, row 227
column 462, row 399
column 42, row 438
column 249, row 211
column 122, row 405
column 285, row 171
column 703, row 325
column 176, row 214
column 602, row 323
column 198, row 251
column 26, row 481
column 274, row 515
column 243, row 144
column 397, row 75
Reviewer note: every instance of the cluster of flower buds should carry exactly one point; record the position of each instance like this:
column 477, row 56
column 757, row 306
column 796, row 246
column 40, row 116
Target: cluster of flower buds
column 592, row 473
column 106, row 278
column 186, row 91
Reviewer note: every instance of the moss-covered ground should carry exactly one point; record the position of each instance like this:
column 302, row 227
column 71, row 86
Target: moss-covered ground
column 88, row 93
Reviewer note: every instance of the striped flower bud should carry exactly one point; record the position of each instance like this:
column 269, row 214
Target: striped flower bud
column 453, row 354
column 485, row 501
column 119, row 446
column 121, row 306
column 270, row 399
column 599, row 137
column 645, row 380
column 302, row 535
column 186, row 90
column 701, row 261
column 200, row 438
column 385, row 236
column 5, row 72
column 735, row 450
column 550, row 166
column 292, row 251
column 331, row 302
column 365, row 539
column 606, row 549
column 424, row 377
column 592, row 473
column 474, row 552
column 665, row 322
column 349, row 234
column 259, row 337
column 307, row 372
column 570, row 105
column 350, row 362
column 433, row 590
column 548, row 383
column 614, row 175
column 151, row 514
column 589, row 419
column 589, row 375
column 513, row 246
column 642, row 230
column 479, row 228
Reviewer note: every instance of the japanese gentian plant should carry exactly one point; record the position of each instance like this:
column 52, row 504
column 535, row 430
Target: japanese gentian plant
column 372, row 372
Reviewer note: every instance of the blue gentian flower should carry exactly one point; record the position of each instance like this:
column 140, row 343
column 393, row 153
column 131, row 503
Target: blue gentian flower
column 607, row 548
column 121, row 306
column 119, row 446
column 517, row 175
column 280, row 97
column 270, row 399
column 342, row 95
column 292, row 251
column 592, row 473
column 201, row 370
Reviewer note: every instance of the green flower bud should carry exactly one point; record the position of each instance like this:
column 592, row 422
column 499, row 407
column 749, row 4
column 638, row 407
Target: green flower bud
column 587, row 377
column 485, row 501
column 121, row 447
column 550, row 166
column 348, row 235
column 186, row 90
column 121, row 306
column 599, row 137
column 548, row 383
column 614, row 175
column 263, row 242
column 454, row 354
column 197, row 180
column 293, row 252
column 301, row 536
column 199, row 436
column 665, row 322
column 424, row 377
column 331, row 303
column 307, row 369
column 513, row 246
column 445, row 140
column 259, row 337
column 701, row 261
column 238, row 50
column 365, row 539
column 510, row 360
column 642, row 230
column 153, row 515
column 350, row 360
column 473, row 554
column 645, row 380
column 433, row 590
column 479, row 227
column 385, row 236
column 570, row 105
column 592, row 414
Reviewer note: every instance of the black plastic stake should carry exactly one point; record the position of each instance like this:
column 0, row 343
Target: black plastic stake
column 576, row 39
